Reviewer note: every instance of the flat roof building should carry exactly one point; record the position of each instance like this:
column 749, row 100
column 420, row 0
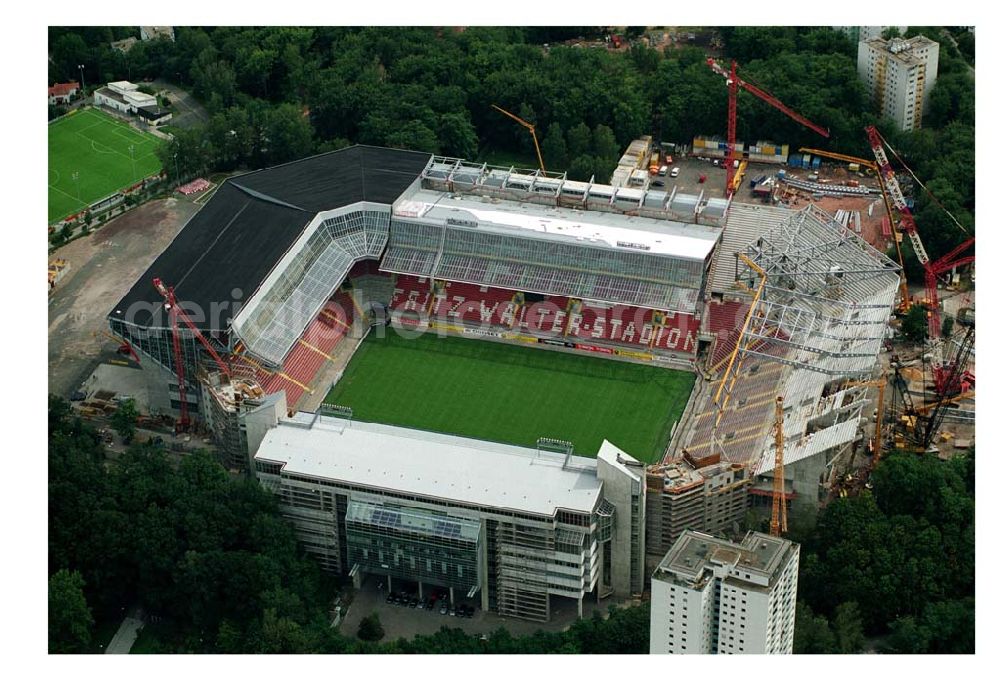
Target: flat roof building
column 899, row 75
column 510, row 527
column 710, row 595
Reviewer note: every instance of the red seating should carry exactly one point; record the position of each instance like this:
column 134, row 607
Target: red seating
column 303, row 362
column 410, row 294
column 473, row 304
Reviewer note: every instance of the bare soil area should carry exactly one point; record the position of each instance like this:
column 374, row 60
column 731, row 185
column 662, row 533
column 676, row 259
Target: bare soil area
column 103, row 267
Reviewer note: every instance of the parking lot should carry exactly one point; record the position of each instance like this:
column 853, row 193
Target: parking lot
column 692, row 169
column 408, row 620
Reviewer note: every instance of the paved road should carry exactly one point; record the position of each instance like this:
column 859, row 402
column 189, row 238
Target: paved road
column 189, row 113
column 127, row 633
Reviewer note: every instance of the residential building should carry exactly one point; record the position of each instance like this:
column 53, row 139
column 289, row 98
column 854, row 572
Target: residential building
column 62, row 92
column 516, row 530
column 899, row 75
column 710, row 595
column 155, row 32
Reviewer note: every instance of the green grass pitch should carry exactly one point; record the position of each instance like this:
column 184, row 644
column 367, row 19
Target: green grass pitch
column 95, row 146
column 513, row 394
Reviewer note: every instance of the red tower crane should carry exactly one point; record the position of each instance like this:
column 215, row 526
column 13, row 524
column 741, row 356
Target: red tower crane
column 176, row 312
column 909, row 226
column 931, row 273
column 735, row 83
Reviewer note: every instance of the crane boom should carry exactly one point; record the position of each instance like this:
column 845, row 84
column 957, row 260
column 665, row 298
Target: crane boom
column 531, row 128
column 906, row 222
column 779, row 504
column 734, row 83
column 176, row 312
column 839, row 156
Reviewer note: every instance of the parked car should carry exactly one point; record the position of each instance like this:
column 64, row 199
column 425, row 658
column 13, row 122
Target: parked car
column 657, row 182
column 675, row 172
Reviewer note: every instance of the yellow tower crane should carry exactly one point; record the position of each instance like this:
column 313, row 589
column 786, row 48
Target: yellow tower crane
column 779, row 506
column 531, row 128
column 880, row 384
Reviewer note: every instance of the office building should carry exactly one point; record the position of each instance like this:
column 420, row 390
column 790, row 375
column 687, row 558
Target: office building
column 514, row 530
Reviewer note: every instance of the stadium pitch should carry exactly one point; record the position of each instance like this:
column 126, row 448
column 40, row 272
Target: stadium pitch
column 95, row 146
column 513, row 394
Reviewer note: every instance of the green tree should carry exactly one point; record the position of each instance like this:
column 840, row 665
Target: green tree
column 370, row 629
column 287, row 134
column 70, row 620
column 605, row 146
column 579, row 140
column 581, row 167
column 458, row 136
column 907, row 636
column 554, row 147
column 124, row 420
column 812, row 632
column 847, row 627
column 914, row 325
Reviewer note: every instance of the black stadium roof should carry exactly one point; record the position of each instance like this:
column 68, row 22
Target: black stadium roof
column 247, row 226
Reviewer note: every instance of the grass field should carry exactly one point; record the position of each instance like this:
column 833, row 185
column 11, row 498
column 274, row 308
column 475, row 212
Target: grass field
column 95, row 146
column 513, row 394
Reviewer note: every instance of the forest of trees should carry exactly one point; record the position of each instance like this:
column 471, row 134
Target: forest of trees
column 894, row 569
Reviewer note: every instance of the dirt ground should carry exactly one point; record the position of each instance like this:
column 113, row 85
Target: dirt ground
column 103, row 267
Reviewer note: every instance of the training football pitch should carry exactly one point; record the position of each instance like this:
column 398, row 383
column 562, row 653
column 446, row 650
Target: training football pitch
column 95, row 147
column 513, row 394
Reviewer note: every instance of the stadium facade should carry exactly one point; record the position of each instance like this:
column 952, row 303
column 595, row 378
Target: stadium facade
column 284, row 270
column 509, row 528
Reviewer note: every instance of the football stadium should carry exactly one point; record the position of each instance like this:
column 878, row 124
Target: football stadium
column 91, row 156
column 501, row 382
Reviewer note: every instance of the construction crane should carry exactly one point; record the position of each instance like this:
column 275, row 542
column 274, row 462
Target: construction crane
column 951, row 378
column 124, row 347
column 779, row 505
column 909, row 226
column 877, row 443
column 531, row 128
column 176, row 312
column 932, row 271
column 904, row 292
column 735, row 83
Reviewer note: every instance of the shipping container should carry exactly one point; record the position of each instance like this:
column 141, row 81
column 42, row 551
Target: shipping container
column 781, row 173
column 854, row 167
column 807, row 160
column 795, row 160
column 816, row 162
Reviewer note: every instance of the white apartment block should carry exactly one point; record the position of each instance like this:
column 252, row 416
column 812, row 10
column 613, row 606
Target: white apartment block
column 899, row 75
column 710, row 595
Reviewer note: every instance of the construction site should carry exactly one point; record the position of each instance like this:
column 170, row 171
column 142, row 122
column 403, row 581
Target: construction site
column 795, row 313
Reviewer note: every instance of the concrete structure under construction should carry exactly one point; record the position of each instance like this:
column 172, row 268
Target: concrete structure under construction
column 508, row 527
column 813, row 336
column 703, row 495
column 713, row 596
column 899, row 75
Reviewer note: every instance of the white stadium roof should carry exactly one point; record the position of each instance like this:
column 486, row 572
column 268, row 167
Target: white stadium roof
column 426, row 464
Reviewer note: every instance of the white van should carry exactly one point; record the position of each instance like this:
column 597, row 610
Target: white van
column 674, row 172
column 662, row 171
